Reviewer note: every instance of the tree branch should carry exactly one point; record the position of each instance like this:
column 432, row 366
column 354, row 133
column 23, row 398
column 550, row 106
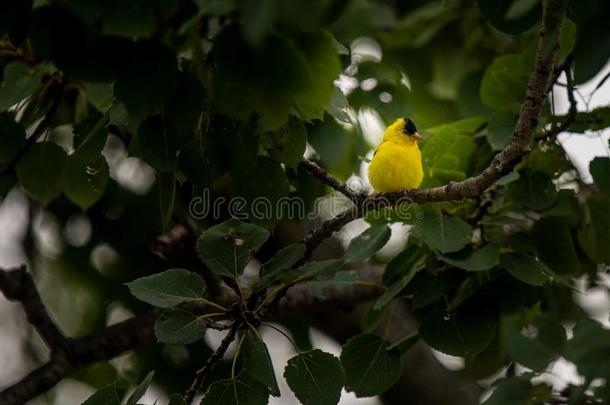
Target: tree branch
column 17, row 285
column 211, row 362
column 325, row 177
column 500, row 165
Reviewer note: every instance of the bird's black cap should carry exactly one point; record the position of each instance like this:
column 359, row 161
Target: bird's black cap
column 410, row 128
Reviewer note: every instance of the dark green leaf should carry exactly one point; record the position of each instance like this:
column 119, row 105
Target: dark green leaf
column 555, row 246
column 480, row 259
column 511, row 391
column 318, row 269
column 140, row 389
column 338, row 107
column 156, row 143
column 600, row 170
column 442, row 233
column 532, row 352
column 13, row 138
column 370, row 369
column 447, row 156
column 397, row 286
column 341, row 279
column 534, row 190
column 19, row 82
column 281, row 261
column 510, row 16
column 84, row 179
column 226, row 248
column 503, row 85
column 148, row 79
column 464, row 332
column 367, row 243
column 594, row 234
column 176, row 399
column 104, row 396
column 257, row 362
column 179, row 327
column 295, row 140
column 315, row 377
column 40, row 171
column 263, row 190
column 500, row 129
column 323, row 61
column 167, row 195
column 169, row 288
column 241, row 390
column 525, row 268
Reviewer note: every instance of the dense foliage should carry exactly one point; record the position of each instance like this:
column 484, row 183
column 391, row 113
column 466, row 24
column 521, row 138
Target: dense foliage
column 221, row 99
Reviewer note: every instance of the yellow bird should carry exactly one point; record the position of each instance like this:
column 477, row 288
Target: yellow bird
column 397, row 164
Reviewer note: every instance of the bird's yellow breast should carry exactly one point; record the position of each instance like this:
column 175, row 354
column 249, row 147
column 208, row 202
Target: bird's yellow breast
column 397, row 163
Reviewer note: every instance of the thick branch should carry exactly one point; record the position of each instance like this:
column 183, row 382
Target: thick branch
column 17, row 285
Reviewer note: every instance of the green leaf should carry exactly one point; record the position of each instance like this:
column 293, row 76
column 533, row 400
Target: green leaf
column 84, row 179
column 315, row 377
column 226, row 248
column 367, row 243
column 140, row 389
column 397, row 286
column 176, row 399
column 370, row 368
column 295, row 140
column 589, row 348
column 511, row 391
column 594, row 234
column 282, row 260
column 148, row 79
column 104, row 396
column 100, row 95
column 534, row 190
column 467, row 289
column 167, row 195
column 510, row 16
column 323, row 61
column 156, row 143
column 534, row 352
column 464, row 332
column 13, row 138
column 478, row 260
column 257, row 362
column 503, row 85
column 402, row 263
column 447, row 156
column 340, row 279
column 500, row 130
column 555, row 245
column 263, row 189
column 600, row 170
column 40, row 171
column 169, row 288
column 525, row 268
column 19, row 82
column 318, row 269
column 241, row 390
column 442, row 233
column 179, row 327
column 338, row 107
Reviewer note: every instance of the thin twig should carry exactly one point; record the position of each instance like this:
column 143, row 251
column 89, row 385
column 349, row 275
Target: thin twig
column 210, row 363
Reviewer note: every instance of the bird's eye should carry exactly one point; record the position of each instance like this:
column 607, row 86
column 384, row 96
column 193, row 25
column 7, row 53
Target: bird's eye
column 410, row 128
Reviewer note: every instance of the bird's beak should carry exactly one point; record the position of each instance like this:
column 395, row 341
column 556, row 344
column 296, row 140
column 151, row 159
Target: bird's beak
column 417, row 137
